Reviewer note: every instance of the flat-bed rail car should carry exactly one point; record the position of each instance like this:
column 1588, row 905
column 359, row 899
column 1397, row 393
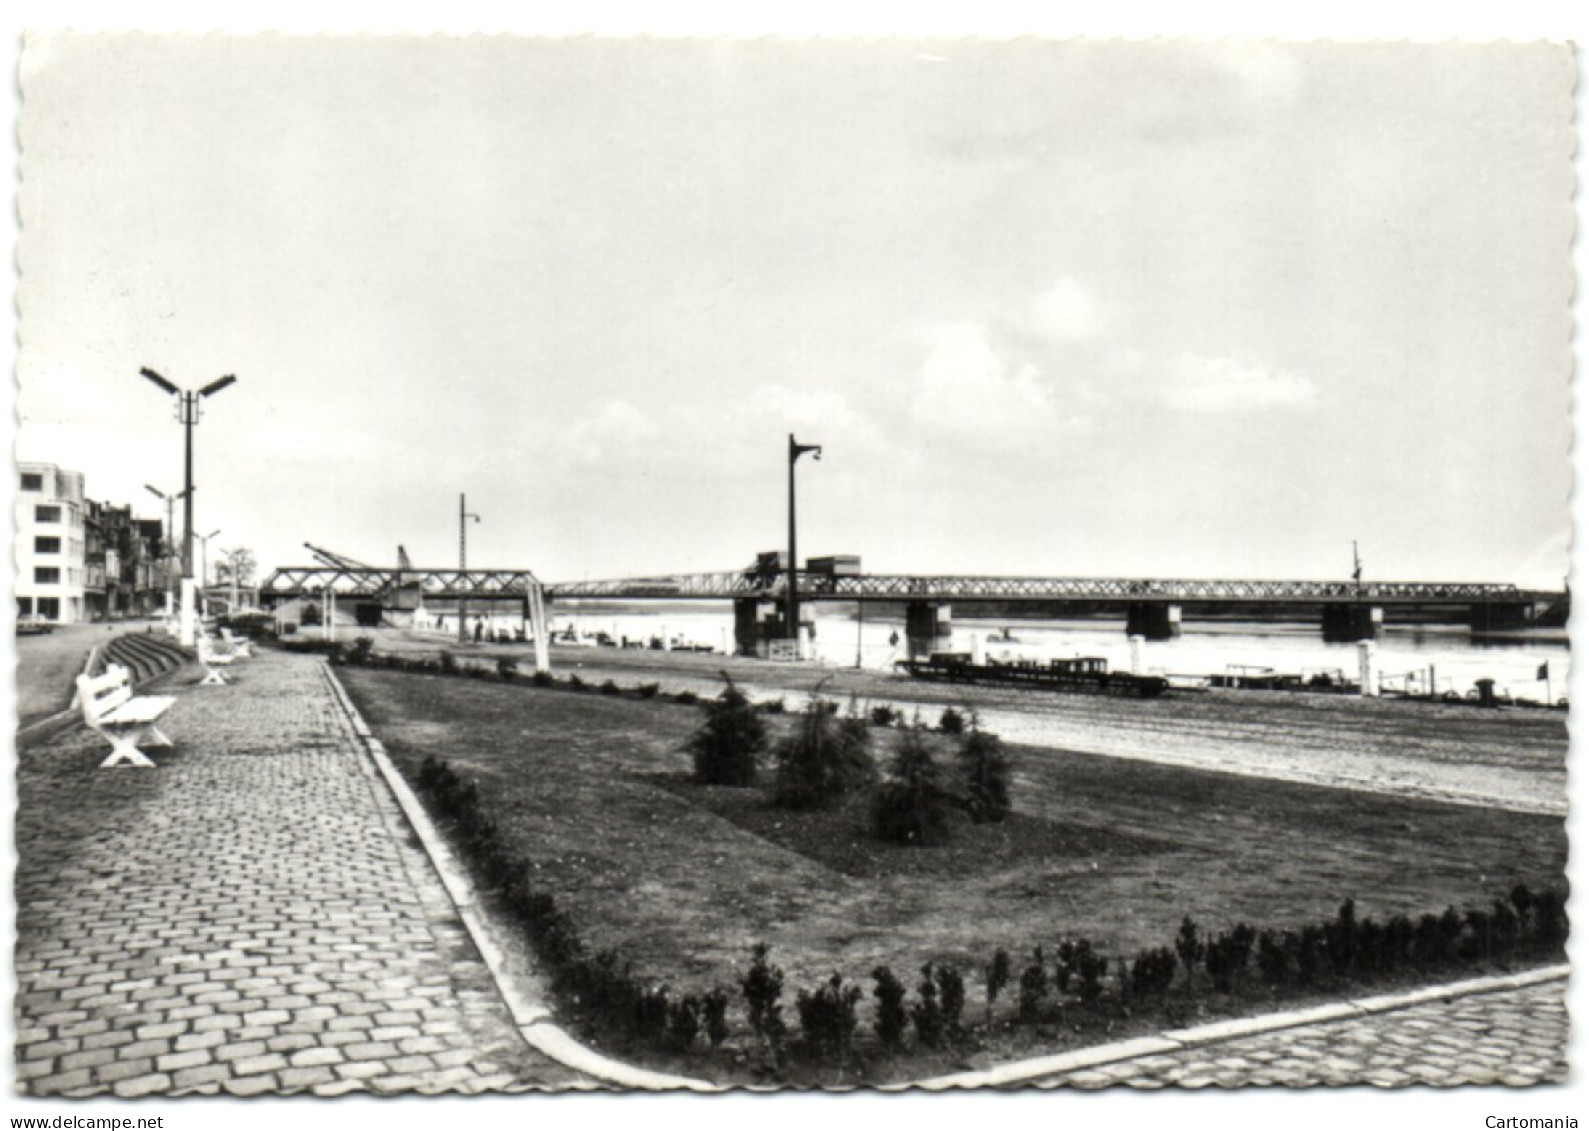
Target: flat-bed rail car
column 1084, row 676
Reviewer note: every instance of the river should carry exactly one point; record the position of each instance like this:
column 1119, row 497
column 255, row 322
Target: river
column 1204, row 649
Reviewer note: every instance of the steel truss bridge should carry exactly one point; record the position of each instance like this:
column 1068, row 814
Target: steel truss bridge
column 374, row 582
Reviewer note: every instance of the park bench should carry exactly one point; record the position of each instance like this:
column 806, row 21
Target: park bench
column 213, row 659
column 238, row 646
column 112, row 710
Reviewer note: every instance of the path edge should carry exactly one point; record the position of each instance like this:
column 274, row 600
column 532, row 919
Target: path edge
column 531, row 1017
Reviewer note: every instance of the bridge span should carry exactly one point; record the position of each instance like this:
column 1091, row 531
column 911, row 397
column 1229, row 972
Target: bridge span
column 1153, row 608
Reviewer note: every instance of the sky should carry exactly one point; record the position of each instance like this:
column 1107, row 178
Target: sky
column 1050, row 307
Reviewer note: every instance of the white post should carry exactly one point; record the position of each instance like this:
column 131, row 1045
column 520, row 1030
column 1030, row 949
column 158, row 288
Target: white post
column 978, row 656
column 186, row 623
column 1136, row 655
column 667, row 644
column 543, row 662
column 1367, row 673
column 803, row 644
column 723, row 638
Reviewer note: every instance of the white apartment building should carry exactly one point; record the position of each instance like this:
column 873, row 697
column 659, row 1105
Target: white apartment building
column 50, row 545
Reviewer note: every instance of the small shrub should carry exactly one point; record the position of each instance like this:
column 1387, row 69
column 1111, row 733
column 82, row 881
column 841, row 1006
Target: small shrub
column 449, row 664
column 773, row 707
column 1034, row 988
column 827, row 1019
column 611, row 688
column 1341, row 938
column 684, row 1022
column 951, row 1000
column 1190, row 949
column 891, row 1015
column 575, row 683
column 687, row 698
column 883, row 715
column 359, row 653
column 951, row 721
column 986, row 775
column 1078, row 959
column 507, row 668
column 911, row 807
column 822, row 760
column 1152, row 973
column 762, row 987
column 1274, row 964
column 649, row 690
column 731, row 736
column 543, row 679
column 927, row 1013
column 1310, row 954
column 995, row 976
column 1226, row 956
column 714, row 1015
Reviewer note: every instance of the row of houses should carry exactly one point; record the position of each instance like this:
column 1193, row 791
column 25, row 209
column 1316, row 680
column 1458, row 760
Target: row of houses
column 82, row 560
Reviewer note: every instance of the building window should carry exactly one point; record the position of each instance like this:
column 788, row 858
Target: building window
column 46, row 514
column 46, row 575
column 24, row 605
column 32, row 481
column 50, row 608
column 46, row 545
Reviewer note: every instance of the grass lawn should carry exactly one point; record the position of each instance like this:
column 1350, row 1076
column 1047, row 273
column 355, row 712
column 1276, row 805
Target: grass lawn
column 683, row 880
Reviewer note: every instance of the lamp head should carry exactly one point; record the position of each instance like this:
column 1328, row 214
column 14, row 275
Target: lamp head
column 161, row 381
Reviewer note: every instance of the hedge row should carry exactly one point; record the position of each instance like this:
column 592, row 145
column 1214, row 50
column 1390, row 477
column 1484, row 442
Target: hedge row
column 1073, row 982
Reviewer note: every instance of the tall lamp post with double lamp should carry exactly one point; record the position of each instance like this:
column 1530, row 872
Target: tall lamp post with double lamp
column 463, row 565
column 188, row 416
column 793, row 594
column 170, row 501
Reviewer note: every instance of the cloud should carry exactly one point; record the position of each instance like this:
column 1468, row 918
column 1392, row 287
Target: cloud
column 1199, row 383
column 966, row 386
column 1065, row 313
column 616, row 426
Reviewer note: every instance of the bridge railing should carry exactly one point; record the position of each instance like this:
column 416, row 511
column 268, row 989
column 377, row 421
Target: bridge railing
column 903, row 587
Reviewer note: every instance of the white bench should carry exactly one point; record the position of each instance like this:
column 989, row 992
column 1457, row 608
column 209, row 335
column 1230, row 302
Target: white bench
column 239, row 646
column 128, row 721
column 213, row 660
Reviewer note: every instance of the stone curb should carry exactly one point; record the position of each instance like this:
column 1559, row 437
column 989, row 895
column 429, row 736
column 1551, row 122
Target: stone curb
column 530, row 1015
column 1177, row 1040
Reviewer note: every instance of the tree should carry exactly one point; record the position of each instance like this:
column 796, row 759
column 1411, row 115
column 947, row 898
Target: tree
column 823, row 759
column 726, row 746
column 242, row 562
column 986, row 773
column 911, row 806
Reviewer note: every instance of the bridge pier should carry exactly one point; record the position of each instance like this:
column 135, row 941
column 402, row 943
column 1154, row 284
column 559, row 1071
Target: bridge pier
column 760, row 623
column 929, row 628
column 1347, row 624
column 1153, row 620
column 1491, row 617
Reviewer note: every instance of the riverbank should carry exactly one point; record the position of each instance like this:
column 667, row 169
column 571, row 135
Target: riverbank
column 1500, row 758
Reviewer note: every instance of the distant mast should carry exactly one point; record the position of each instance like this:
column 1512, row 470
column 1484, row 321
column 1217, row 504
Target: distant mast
column 1357, row 567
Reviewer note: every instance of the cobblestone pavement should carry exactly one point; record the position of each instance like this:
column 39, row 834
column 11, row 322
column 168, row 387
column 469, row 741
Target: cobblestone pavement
column 254, row 916
column 1515, row 1037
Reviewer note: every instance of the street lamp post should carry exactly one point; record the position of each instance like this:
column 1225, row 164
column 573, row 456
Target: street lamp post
column 463, row 565
column 231, row 557
column 188, row 416
column 204, row 558
column 793, row 594
column 170, row 501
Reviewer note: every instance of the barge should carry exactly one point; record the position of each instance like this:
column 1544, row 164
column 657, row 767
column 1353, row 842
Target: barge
column 1083, row 676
